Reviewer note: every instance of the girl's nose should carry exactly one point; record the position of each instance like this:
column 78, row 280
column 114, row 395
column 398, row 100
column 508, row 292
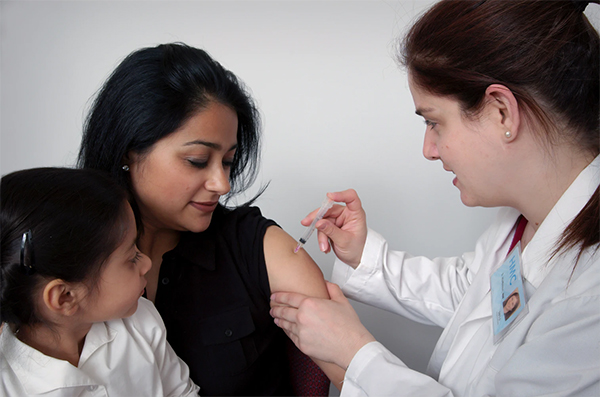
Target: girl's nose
column 145, row 263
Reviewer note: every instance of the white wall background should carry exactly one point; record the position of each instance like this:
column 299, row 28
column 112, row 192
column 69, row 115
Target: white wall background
column 336, row 109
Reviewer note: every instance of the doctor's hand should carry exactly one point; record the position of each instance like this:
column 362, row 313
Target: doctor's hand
column 343, row 228
column 327, row 330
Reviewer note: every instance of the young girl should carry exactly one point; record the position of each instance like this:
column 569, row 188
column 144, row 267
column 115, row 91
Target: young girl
column 71, row 282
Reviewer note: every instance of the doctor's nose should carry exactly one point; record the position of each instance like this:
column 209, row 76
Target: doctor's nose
column 430, row 150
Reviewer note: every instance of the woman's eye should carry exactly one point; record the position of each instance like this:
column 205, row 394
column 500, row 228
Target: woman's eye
column 227, row 163
column 198, row 163
column 430, row 124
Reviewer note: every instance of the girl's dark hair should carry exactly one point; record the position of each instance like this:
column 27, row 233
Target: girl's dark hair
column 152, row 93
column 75, row 218
column 545, row 52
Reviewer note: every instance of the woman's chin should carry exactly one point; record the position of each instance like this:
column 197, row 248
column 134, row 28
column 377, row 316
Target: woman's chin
column 201, row 225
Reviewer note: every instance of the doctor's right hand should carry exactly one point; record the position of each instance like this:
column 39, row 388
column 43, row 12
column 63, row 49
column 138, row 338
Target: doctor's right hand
column 343, row 229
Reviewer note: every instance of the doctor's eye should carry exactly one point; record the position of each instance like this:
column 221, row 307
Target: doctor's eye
column 430, row 124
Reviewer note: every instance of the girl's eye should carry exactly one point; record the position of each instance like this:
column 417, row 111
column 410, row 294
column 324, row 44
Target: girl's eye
column 227, row 163
column 137, row 257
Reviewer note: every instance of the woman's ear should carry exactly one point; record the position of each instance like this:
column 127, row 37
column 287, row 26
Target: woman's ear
column 62, row 298
column 504, row 110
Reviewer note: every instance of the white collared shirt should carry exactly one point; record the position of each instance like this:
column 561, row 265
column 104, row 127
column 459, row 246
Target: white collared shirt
column 126, row 357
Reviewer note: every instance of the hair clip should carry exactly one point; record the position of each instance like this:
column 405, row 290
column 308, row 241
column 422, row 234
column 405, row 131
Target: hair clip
column 27, row 261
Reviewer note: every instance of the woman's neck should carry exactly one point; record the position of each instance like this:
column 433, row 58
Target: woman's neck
column 155, row 243
column 61, row 341
column 542, row 184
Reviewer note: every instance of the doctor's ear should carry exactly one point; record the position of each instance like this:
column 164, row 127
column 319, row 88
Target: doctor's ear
column 504, row 110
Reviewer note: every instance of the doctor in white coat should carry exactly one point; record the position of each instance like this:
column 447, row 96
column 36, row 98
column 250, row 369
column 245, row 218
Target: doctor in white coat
column 509, row 92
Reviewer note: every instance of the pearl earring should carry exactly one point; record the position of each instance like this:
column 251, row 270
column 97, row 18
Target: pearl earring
column 507, row 134
column 125, row 168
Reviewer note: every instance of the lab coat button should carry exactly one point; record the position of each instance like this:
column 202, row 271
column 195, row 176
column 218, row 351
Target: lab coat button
column 92, row 388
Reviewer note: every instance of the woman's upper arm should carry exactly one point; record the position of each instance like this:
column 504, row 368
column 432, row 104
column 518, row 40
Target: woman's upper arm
column 296, row 272
column 289, row 271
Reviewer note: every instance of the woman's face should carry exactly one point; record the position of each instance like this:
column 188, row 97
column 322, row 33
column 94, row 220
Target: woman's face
column 177, row 185
column 467, row 148
column 511, row 303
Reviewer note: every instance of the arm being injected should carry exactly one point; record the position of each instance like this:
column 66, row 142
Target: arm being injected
column 327, row 204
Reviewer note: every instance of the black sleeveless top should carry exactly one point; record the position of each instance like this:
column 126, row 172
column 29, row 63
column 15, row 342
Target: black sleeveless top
column 213, row 295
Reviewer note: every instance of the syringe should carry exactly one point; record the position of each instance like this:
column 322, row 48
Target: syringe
column 327, row 204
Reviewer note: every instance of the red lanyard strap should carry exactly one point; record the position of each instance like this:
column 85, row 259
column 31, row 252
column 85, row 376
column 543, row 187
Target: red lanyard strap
column 521, row 223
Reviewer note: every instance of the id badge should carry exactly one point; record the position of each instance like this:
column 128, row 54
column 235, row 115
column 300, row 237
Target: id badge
column 508, row 294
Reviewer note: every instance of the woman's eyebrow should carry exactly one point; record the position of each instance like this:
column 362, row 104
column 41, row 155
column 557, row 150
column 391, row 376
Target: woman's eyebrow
column 211, row 145
column 420, row 112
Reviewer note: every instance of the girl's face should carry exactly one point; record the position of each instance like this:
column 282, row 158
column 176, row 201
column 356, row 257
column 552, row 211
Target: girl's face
column 121, row 281
column 179, row 182
column 469, row 149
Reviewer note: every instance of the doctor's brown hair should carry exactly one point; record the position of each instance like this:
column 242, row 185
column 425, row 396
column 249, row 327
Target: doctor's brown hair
column 545, row 52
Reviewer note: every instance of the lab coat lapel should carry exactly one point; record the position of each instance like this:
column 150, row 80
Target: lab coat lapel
column 475, row 307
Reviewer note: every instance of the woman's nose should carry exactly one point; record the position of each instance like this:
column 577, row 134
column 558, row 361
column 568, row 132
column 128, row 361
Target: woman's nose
column 430, row 150
column 218, row 181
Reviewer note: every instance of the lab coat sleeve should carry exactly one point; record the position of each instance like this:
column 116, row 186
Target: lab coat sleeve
column 422, row 289
column 175, row 374
column 375, row 371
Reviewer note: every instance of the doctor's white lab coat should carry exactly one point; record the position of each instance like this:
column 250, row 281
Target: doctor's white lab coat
column 553, row 351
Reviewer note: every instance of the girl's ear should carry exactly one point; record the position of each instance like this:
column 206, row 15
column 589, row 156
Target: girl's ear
column 504, row 111
column 62, row 298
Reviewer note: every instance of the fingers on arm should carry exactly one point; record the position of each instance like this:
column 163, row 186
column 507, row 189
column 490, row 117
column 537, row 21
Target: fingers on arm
column 335, row 292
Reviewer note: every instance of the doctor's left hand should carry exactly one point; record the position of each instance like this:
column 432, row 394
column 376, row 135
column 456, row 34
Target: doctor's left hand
column 324, row 329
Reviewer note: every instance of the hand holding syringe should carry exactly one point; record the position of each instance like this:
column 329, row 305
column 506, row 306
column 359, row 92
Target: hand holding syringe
column 327, row 204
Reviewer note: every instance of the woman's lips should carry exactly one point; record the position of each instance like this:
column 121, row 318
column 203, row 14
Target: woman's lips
column 208, row 206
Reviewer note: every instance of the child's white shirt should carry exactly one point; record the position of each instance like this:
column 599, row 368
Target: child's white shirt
column 125, row 357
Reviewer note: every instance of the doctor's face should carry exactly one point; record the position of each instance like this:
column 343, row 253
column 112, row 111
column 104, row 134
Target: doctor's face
column 463, row 147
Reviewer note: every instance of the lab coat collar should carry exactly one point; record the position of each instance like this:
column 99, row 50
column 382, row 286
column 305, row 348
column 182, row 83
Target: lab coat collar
column 39, row 373
column 537, row 255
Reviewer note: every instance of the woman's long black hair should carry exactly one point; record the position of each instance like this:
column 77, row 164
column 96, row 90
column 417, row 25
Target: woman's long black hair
column 152, row 93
